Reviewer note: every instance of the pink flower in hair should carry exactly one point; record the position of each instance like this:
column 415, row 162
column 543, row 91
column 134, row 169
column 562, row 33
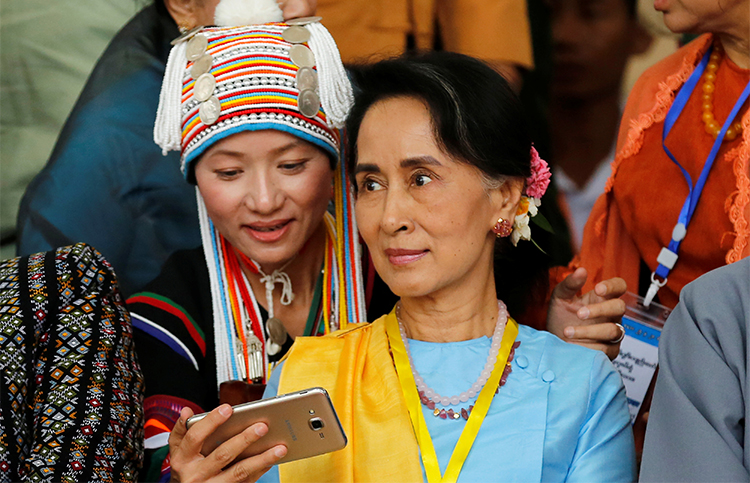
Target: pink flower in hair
column 537, row 183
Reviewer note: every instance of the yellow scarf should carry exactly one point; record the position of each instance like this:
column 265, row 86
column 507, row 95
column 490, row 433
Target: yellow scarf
column 356, row 368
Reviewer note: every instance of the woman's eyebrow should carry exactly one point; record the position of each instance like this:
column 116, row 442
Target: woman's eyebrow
column 406, row 163
column 366, row 168
column 287, row 147
column 420, row 161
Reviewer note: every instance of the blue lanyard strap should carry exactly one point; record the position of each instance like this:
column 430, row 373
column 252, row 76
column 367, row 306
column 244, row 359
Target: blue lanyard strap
column 668, row 255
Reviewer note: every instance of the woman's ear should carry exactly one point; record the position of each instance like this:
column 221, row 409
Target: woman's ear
column 191, row 13
column 505, row 200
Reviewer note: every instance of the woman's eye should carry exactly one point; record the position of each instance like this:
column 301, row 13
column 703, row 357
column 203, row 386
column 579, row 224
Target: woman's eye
column 228, row 173
column 371, row 185
column 422, row 179
column 293, row 166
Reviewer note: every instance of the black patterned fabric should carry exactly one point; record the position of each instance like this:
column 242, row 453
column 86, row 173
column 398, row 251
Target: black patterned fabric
column 71, row 389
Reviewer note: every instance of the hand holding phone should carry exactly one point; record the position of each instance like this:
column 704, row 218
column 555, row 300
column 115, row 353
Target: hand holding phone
column 305, row 422
column 188, row 464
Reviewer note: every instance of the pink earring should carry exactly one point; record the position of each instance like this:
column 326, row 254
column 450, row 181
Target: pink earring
column 502, row 228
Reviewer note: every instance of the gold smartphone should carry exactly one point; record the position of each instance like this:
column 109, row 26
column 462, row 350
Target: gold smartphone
column 304, row 421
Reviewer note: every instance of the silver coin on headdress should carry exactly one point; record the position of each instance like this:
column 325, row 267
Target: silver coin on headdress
column 308, row 103
column 186, row 35
column 204, row 87
column 307, row 78
column 210, row 110
column 302, row 56
column 201, row 66
column 196, row 47
column 296, row 35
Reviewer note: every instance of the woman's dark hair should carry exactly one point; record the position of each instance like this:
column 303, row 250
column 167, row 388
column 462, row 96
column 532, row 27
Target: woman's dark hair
column 478, row 120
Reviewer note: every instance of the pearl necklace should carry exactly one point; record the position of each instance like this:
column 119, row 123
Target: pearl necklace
column 430, row 397
column 709, row 77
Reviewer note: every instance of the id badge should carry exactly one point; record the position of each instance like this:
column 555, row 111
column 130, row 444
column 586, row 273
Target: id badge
column 639, row 350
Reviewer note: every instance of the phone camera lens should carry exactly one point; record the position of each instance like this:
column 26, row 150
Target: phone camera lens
column 316, row 424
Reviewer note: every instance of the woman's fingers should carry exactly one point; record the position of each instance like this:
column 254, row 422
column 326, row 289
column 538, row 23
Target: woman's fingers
column 611, row 288
column 250, row 469
column 605, row 337
column 192, row 441
column 609, row 310
column 605, row 333
column 570, row 285
column 229, row 450
column 179, row 430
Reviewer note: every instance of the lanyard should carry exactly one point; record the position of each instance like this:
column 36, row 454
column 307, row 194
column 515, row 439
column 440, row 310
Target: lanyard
column 669, row 254
column 414, row 405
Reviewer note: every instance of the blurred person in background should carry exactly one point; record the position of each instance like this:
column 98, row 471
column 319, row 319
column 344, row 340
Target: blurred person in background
column 676, row 204
column 639, row 214
column 592, row 43
column 497, row 31
column 42, row 71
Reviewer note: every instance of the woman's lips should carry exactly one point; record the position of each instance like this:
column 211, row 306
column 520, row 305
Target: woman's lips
column 268, row 232
column 400, row 256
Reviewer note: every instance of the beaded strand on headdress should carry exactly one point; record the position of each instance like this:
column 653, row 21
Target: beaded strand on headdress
column 167, row 132
column 336, row 95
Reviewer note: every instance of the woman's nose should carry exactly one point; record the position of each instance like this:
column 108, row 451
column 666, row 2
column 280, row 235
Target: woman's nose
column 263, row 196
column 396, row 213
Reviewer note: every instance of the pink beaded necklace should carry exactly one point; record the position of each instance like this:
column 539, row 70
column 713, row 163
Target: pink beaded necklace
column 431, row 398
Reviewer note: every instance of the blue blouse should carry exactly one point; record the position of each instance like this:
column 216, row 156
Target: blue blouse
column 561, row 416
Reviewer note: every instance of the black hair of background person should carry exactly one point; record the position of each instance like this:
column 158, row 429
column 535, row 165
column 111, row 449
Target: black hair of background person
column 535, row 98
column 492, row 137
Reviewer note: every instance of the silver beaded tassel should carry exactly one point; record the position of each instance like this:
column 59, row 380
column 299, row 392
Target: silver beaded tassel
column 336, row 95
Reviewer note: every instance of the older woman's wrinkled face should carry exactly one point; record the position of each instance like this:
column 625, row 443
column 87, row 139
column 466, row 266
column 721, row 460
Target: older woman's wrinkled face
column 700, row 16
column 426, row 217
column 266, row 192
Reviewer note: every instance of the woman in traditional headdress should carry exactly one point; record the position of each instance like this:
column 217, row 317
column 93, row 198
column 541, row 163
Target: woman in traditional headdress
column 255, row 112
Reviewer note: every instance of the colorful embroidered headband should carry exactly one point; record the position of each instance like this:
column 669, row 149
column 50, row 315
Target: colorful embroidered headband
column 223, row 80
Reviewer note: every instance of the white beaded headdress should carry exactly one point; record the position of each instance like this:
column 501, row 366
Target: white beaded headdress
column 240, row 77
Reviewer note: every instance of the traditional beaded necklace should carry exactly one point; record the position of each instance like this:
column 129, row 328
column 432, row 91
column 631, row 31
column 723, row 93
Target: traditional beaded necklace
column 431, row 398
column 709, row 77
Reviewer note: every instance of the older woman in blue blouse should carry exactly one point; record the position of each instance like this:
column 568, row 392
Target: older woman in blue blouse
column 447, row 180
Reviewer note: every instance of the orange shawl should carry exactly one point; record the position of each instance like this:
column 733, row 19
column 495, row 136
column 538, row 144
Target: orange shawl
column 634, row 217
